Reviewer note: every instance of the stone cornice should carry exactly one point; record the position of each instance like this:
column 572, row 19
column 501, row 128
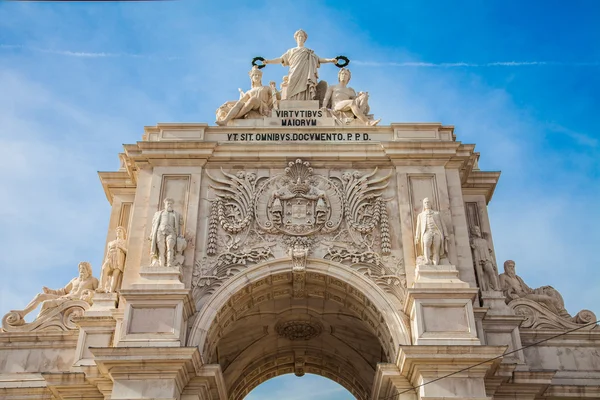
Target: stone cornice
column 119, row 182
column 579, row 338
column 123, row 363
column 409, row 144
column 39, row 340
column 71, row 385
column 416, row 362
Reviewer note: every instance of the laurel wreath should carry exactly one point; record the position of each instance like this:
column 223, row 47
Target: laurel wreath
column 342, row 58
column 260, row 66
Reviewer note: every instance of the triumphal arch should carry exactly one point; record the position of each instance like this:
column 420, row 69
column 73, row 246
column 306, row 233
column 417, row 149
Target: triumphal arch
column 299, row 235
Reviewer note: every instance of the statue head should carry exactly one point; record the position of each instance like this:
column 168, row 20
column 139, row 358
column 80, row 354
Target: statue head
column 120, row 232
column 344, row 75
column 255, row 76
column 168, row 202
column 426, row 203
column 300, row 37
column 476, row 231
column 509, row 267
column 85, row 270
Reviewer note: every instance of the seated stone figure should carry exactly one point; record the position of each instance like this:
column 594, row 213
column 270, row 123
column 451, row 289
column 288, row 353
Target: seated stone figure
column 255, row 103
column 79, row 288
column 345, row 103
column 515, row 288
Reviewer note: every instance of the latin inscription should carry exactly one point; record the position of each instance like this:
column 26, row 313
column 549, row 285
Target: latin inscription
column 291, row 137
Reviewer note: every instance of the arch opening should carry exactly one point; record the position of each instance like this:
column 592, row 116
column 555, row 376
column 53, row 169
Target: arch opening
column 256, row 327
column 310, row 387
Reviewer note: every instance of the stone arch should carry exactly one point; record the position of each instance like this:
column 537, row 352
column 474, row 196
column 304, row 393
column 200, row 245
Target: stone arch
column 326, row 364
column 256, row 329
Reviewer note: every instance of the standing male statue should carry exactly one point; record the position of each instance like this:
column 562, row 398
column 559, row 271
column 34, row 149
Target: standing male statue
column 303, row 74
column 114, row 263
column 81, row 287
column 431, row 235
column 166, row 238
column 259, row 100
column 345, row 101
column 484, row 264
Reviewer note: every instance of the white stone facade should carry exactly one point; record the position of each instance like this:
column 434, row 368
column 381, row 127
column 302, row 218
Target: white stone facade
column 294, row 251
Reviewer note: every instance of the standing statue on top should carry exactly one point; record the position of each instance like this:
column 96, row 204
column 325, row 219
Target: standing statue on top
column 303, row 74
column 431, row 236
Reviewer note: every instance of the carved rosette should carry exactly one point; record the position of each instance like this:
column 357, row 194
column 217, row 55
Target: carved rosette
column 298, row 330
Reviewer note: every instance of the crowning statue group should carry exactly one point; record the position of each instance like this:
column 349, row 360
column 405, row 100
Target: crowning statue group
column 338, row 101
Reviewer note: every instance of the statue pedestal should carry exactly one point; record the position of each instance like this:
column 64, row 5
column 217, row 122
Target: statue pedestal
column 102, row 304
column 96, row 328
column 165, row 277
column 155, row 317
column 440, row 307
column 437, row 276
column 496, row 302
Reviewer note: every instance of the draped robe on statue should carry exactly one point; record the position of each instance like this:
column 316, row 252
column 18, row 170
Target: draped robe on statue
column 302, row 74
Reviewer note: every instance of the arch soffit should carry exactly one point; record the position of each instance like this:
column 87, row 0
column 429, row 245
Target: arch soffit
column 395, row 320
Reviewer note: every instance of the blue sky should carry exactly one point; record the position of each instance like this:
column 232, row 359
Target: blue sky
column 518, row 79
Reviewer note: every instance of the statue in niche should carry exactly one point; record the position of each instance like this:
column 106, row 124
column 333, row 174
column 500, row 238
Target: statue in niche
column 114, row 263
column 431, row 236
column 303, row 66
column 515, row 288
column 484, row 263
column 167, row 241
column 255, row 103
column 345, row 103
column 81, row 287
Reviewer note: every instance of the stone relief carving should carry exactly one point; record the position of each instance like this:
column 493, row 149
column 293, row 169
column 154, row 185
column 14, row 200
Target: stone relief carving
column 299, row 255
column 114, row 263
column 303, row 66
column 167, row 242
column 342, row 217
column 298, row 330
column 255, row 103
column 342, row 102
column 485, row 267
column 544, row 306
column 431, row 236
column 58, row 307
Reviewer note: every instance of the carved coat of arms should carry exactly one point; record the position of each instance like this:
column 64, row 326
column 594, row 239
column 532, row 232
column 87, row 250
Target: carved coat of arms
column 299, row 203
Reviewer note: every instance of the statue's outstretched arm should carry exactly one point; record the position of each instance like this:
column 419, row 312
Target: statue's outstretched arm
column 277, row 60
column 327, row 60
